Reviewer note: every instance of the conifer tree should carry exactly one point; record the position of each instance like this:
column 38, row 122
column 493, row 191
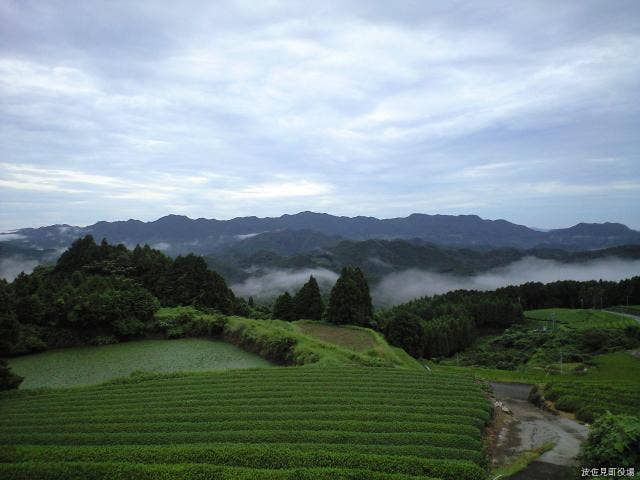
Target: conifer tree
column 283, row 308
column 350, row 301
column 307, row 303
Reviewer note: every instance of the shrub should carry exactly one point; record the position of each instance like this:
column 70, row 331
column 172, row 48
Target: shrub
column 8, row 379
column 614, row 441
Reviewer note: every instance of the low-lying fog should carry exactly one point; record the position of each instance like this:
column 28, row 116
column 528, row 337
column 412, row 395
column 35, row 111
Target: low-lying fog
column 402, row 286
column 275, row 282
column 11, row 267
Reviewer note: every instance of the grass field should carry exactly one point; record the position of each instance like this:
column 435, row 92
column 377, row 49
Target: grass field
column 276, row 423
column 576, row 319
column 354, row 338
column 90, row 365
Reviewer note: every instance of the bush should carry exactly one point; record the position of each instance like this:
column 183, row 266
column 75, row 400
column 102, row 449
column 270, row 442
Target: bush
column 614, row 441
column 8, row 379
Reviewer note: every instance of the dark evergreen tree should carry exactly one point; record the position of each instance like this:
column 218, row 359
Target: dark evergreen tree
column 406, row 331
column 308, row 303
column 350, row 301
column 283, row 308
column 190, row 282
column 8, row 380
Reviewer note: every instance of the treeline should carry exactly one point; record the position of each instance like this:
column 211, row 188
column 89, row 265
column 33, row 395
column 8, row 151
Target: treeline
column 101, row 293
column 442, row 325
column 573, row 294
column 349, row 302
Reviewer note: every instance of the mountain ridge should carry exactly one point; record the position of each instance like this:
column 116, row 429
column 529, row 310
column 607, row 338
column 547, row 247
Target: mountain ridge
column 181, row 234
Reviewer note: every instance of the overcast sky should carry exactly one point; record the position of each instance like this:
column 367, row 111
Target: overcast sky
column 528, row 111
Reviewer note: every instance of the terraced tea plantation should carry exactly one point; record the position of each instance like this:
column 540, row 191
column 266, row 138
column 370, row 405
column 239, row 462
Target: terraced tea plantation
column 572, row 319
column 277, row 423
column 613, row 385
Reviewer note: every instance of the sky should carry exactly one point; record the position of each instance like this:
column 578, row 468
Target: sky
column 527, row 111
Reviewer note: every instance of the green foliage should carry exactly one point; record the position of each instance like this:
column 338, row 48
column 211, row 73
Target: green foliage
column 307, row 303
column 575, row 336
column 350, row 301
column 110, row 305
column 190, row 282
column 90, row 365
column 8, row 380
column 613, row 384
column 283, row 308
column 279, row 341
column 103, row 293
column 304, row 422
column 576, row 320
column 407, row 331
column 614, row 440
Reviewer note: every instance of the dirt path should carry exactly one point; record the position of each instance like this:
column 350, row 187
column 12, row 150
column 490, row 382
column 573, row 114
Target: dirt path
column 528, row 427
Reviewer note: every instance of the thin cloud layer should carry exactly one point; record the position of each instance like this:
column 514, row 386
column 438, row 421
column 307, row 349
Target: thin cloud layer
column 350, row 107
column 274, row 282
column 403, row 286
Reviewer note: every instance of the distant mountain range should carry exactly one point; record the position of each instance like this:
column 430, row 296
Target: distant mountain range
column 248, row 247
column 378, row 258
column 292, row 234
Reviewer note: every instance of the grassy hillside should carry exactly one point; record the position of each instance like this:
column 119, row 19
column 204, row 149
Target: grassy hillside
column 613, row 385
column 90, row 365
column 277, row 423
column 573, row 319
column 286, row 343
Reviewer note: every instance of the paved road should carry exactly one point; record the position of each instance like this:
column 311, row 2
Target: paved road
column 532, row 427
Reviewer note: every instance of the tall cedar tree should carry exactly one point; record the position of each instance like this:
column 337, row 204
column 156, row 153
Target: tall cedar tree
column 350, row 300
column 307, row 303
column 283, row 309
column 8, row 335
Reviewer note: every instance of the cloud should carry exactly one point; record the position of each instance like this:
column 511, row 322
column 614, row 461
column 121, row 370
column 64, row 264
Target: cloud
column 11, row 267
column 409, row 284
column 275, row 282
column 358, row 107
column 7, row 237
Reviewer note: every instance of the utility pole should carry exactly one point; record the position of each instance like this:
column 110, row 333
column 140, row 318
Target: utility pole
column 560, row 362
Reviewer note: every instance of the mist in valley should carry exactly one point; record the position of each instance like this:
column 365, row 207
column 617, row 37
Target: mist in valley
column 11, row 267
column 403, row 286
column 274, row 282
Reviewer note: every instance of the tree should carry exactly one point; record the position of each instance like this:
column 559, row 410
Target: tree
column 406, row 331
column 307, row 303
column 350, row 300
column 8, row 379
column 190, row 282
column 283, row 309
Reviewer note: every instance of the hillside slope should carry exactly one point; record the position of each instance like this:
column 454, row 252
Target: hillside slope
column 279, row 423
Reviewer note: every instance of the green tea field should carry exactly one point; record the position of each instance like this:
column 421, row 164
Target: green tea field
column 276, row 423
column 90, row 365
column 613, row 385
column 577, row 319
